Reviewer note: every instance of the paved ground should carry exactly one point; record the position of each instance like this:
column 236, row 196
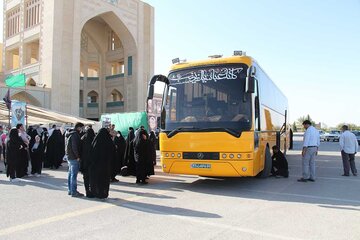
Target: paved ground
column 189, row 207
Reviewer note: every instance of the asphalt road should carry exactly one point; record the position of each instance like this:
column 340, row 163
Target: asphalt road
column 189, row 207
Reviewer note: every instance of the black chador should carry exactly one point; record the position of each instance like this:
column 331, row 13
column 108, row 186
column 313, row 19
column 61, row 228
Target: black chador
column 141, row 155
column 117, row 163
column 14, row 166
column 36, row 149
column 85, row 160
column 152, row 153
column 101, row 155
column 279, row 164
column 55, row 149
column 129, row 153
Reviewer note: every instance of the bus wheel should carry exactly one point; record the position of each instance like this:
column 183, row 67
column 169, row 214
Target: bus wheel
column 267, row 166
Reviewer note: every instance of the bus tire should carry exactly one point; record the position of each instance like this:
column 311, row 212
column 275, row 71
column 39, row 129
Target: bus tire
column 267, row 166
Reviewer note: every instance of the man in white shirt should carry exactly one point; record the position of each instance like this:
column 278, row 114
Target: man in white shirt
column 309, row 151
column 349, row 147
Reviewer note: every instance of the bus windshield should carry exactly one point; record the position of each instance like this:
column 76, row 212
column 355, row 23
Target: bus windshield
column 208, row 98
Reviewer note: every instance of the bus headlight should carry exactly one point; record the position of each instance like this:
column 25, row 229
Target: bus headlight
column 231, row 155
column 239, row 156
column 224, row 155
column 173, row 155
column 244, row 169
column 166, row 155
column 179, row 155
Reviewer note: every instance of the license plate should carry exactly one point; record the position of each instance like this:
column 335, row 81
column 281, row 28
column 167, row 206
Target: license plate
column 201, row 165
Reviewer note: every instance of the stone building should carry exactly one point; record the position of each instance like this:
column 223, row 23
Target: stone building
column 81, row 57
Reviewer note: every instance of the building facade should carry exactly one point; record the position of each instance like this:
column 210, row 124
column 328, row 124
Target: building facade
column 81, row 57
column 1, row 61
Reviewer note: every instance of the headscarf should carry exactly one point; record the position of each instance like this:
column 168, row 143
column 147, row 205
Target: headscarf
column 14, row 135
column 139, row 140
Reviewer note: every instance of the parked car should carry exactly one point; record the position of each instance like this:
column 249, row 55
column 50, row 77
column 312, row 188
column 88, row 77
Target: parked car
column 357, row 135
column 333, row 135
column 322, row 135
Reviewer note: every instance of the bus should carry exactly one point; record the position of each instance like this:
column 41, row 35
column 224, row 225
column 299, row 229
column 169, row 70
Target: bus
column 220, row 117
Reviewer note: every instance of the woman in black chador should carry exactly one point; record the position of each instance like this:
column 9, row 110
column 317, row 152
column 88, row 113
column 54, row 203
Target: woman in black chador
column 129, row 153
column 119, row 142
column 86, row 141
column 101, row 155
column 142, row 156
column 13, row 148
column 55, row 150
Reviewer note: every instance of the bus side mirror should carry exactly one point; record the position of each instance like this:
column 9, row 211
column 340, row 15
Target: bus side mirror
column 250, row 85
column 250, row 80
column 150, row 94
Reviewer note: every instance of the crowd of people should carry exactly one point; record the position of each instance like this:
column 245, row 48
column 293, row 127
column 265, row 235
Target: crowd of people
column 99, row 157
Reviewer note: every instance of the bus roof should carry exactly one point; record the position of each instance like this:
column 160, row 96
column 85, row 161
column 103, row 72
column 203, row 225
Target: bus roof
column 212, row 61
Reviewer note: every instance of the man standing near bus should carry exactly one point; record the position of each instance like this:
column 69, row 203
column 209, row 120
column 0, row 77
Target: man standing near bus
column 349, row 147
column 309, row 151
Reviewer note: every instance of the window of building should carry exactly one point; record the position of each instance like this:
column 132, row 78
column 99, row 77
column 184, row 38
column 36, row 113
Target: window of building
column 117, row 68
column 13, row 22
column 114, row 41
column 31, row 52
column 32, row 13
column 12, row 59
column 93, row 70
column 93, row 97
column 115, row 96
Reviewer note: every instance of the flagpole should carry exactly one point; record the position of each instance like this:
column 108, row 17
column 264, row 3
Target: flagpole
column 9, row 109
column 26, row 103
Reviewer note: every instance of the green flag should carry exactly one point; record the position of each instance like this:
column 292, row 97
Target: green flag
column 15, row 81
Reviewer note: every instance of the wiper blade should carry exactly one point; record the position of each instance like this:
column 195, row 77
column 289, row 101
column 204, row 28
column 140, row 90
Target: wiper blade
column 181, row 129
column 228, row 130
column 193, row 129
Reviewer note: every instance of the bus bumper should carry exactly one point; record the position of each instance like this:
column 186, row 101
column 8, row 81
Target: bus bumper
column 243, row 168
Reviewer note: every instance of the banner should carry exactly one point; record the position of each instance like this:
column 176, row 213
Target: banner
column 123, row 121
column 18, row 112
column 15, row 81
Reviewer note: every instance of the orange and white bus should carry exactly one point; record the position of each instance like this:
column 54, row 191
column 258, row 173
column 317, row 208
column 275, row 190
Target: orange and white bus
column 220, row 117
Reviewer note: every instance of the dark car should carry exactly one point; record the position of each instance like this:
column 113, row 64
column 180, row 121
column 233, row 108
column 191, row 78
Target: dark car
column 357, row 135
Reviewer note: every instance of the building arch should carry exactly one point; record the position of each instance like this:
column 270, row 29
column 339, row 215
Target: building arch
column 93, row 97
column 115, row 96
column 116, row 23
column 26, row 97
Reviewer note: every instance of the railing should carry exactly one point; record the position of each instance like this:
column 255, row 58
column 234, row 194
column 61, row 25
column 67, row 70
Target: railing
column 121, row 75
column 115, row 104
column 93, row 105
column 90, row 78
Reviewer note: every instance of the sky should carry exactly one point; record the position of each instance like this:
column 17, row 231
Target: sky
column 309, row 48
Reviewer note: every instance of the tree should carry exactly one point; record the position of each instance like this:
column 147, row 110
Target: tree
column 351, row 126
column 294, row 128
column 302, row 119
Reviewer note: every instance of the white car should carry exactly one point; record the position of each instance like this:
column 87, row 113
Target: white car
column 333, row 135
column 322, row 135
